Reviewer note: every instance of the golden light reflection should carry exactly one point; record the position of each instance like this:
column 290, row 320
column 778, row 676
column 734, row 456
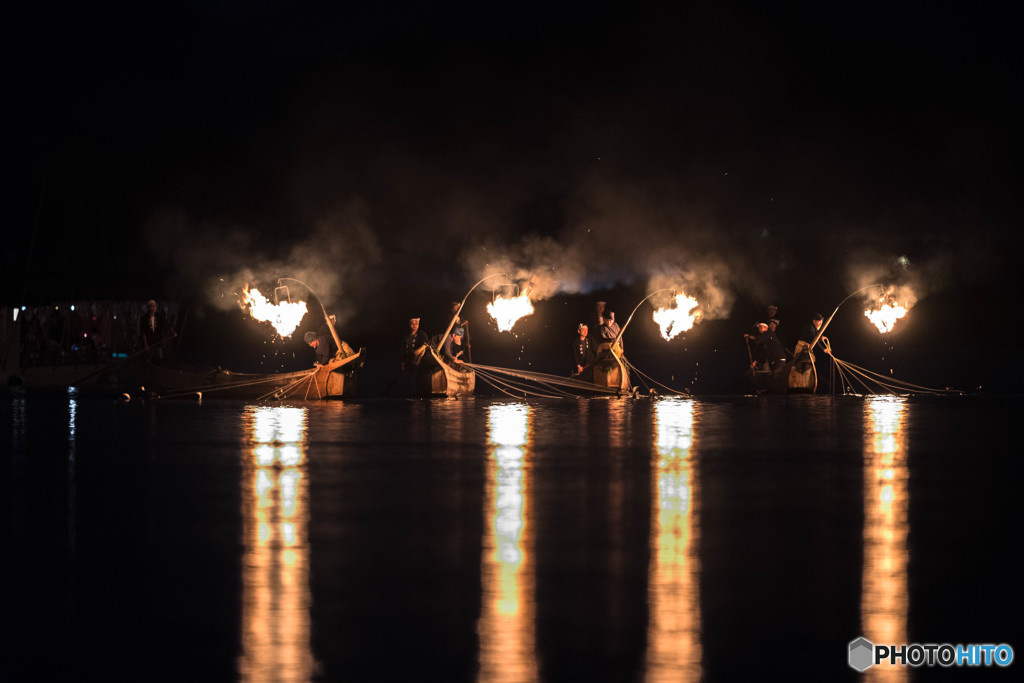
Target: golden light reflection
column 507, row 619
column 673, row 630
column 275, row 568
column 884, row 587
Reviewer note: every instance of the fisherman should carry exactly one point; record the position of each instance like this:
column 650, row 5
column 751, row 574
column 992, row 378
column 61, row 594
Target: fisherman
column 609, row 328
column 583, row 349
column 154, row 330
column 413, row 340
column 810, row 334
column 776, row 353
column 448, row 351
column 321, row 345
column 759, row 356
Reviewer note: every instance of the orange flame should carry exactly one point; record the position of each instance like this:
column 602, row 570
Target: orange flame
column 884, row 312
column 679, row 317
column 506, row 311
column 284, row 317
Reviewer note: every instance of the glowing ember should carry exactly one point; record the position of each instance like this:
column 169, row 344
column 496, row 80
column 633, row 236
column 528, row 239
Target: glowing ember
column 507, row 311
column 678, row 318
column 285, row 316
column 885, row 314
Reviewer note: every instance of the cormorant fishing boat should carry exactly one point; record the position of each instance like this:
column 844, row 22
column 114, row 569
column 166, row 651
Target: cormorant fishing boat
column 336, row 379
column 435, row 378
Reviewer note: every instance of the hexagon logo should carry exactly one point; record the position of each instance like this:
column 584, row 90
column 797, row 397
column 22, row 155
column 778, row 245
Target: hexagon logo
column 860, row 654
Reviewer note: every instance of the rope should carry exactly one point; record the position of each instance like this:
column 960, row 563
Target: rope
column 654, row 381
column 864, row 377
column 549, row 381
column 249, row 383
column 519, row 388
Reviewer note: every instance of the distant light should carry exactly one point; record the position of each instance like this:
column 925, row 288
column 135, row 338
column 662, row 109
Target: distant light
column 72, row 307
column 903, row 261
column 15, row 312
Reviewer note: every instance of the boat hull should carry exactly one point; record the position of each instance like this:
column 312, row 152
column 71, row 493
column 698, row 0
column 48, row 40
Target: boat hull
column 798, row 376
column 437, row 379
column 335, row 380
column 608, row 371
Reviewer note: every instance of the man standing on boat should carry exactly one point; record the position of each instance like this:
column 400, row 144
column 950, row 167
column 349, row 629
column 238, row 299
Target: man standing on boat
column 776, row 353
column 810, row 333
column 448, row 352
column 609, row 328
column 759, row 359
column 413, row 340
column 583, row 349
column 154, row 330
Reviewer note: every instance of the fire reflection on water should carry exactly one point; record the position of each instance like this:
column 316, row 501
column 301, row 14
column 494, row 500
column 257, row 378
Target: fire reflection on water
column 275, row 568
column 884, row 587
column 673, row 630
column 507, row 620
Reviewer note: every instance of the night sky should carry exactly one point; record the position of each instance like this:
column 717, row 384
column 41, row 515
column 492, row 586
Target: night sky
column 392, row 155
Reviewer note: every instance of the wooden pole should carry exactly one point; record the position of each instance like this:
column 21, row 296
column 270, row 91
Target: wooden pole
column 459, row 310
column 634, row 312
column 327, row 318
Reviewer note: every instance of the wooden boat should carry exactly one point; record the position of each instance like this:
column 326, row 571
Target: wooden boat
column 608, row 371
column 798, row 376
column 336, row 379
column 803, row 375
column 434, row 378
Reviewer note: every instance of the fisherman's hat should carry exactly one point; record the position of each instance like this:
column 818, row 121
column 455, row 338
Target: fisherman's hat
column 310, row 337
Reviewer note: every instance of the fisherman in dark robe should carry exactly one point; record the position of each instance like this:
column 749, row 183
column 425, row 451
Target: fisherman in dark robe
column 413, row 340
column 582, row 349
column 322, row 346
column 775, row 353
column 759, row 354
column 154, row 331
column 464, row 324
column 810, row 333
column 452, row 348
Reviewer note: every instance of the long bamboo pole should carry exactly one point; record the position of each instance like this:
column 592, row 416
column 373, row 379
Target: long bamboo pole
column 327, row 318
column 459, row 310
column 848, row 297
column 619, row 335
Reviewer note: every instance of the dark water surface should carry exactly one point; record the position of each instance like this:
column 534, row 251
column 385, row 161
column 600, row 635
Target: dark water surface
column 587, row 540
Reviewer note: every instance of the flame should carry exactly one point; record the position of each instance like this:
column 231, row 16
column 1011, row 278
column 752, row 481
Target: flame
column 678, row 318
column 506, row 311
column 285, row 316
column 885, row 312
